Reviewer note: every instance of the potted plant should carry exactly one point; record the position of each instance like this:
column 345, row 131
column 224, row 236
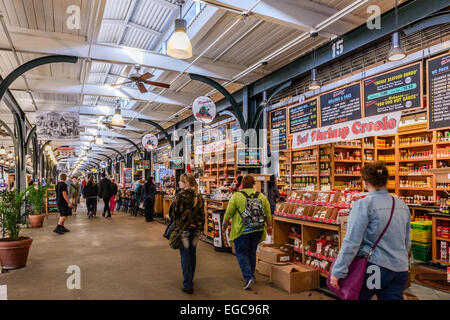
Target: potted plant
column 36, row 197
column 13, row 248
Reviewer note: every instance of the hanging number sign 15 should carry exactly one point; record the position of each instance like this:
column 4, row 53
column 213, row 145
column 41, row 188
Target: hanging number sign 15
column 204, row 109
column 150, row 142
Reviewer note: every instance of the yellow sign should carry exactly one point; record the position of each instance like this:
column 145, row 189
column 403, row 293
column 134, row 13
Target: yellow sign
column 94, row 170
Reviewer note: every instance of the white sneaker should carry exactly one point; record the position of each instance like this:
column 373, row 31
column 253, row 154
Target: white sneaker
column 249, row 284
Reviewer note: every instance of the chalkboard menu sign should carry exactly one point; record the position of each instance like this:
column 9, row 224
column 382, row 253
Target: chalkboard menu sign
column 396, row 90
column 303, row 116
column 340, row 105
column 278, row 130
column 128, row 177
column 249, row 157
column 176, row 163
column 439, row 92
column 51, row 204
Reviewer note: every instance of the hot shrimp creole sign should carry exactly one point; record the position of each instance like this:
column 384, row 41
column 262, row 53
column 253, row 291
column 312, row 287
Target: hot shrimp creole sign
column 383, row 124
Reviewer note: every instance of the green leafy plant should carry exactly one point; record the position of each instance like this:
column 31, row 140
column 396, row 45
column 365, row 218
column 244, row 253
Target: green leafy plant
column 36, row 197
column 10, row 212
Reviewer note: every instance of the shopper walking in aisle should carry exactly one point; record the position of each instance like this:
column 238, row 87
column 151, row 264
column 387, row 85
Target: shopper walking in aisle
column 149, row 199
column 187, row 213
column 273, row 194
column 367, row 220
column 74, row 192
column 90, row 193
column 139, row 195
column 105, row 193
column 64, row 205
column 112, row 202
column 246, row 235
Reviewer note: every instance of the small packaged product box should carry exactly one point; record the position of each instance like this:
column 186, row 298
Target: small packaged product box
column 444, row 251
column 322, row 197
column 273, row 254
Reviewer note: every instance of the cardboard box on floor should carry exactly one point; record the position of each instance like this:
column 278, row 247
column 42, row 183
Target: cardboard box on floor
column 264, row 268
column 295, row 278
column 272, row 254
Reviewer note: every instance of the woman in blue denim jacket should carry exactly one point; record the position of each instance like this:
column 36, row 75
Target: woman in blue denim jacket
column 368, row 218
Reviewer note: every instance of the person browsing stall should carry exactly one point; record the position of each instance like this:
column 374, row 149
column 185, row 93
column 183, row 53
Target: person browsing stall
column 187, row 211
column 368, row 218
column 246, row 236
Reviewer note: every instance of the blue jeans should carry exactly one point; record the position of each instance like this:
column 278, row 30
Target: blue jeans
column 392, row 285
column 188, row 248
column 245, row 247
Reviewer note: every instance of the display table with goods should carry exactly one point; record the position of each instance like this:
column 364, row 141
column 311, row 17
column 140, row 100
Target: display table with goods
column 310, row 222
column 216, row 202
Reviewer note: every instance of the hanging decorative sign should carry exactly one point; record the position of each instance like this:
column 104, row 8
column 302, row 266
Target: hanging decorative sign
column 103, row 164
column 379, row 125
column 150, row 142
column 52, row 125
column 204, row 109
column 211, row 147
column 94, row 170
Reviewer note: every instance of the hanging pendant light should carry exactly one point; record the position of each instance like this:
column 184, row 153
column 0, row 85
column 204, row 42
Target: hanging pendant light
column 2, row 161
column 179, row 45
column 396, row 52
column 2, row 150
column 117, row 120
column 10, row 155
column 315, row 84
column 99, row 140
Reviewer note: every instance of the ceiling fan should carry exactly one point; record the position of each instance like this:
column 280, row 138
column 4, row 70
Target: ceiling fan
column 141, row 79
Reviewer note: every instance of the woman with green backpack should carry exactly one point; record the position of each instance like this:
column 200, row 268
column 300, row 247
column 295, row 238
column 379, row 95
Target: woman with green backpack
column 249, row 212
column 188, row 222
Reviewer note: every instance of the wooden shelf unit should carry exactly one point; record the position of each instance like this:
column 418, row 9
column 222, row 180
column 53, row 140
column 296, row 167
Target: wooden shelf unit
column 370, row 149
column 436, row 240
column 210, row 207
column 309, row 231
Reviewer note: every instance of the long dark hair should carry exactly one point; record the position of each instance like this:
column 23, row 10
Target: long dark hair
column 91, row 181
column 239, row 182
column 150, row 180
column 272, row 181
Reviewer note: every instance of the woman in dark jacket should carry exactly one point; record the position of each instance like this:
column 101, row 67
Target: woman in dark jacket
column 187, row 209
column 149, row 199
column 273, row 194
column 90, row 193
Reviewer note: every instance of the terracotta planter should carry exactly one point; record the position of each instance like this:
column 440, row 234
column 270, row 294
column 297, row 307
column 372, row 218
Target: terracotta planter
column 14, row 254
column 36, row 221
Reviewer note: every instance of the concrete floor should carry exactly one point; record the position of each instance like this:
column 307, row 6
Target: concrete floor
column 125, row 258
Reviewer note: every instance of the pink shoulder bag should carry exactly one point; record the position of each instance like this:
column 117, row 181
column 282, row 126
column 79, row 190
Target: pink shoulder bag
column 351, row 286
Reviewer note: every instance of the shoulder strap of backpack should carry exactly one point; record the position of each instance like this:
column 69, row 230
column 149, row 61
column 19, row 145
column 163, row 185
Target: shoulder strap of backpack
column 256, row 195
column 245, row 194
